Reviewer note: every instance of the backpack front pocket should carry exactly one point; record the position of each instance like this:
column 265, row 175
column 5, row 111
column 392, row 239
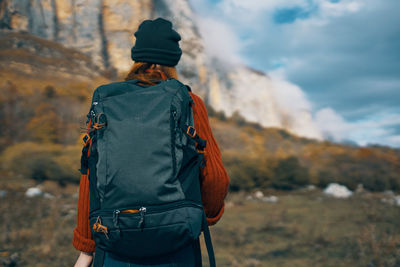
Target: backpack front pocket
column 155, row 231
column 150, row 241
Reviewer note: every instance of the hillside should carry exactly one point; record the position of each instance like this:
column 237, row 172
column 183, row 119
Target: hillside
column 45, row 91
column 33, row 57
column 44, row 114
column 258, row 157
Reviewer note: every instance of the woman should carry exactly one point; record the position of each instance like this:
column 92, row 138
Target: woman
column 156, row 53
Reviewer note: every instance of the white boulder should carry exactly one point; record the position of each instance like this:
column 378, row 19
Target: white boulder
column 311, row 187
column 48, row 195
column 258, row 195
column 270, row 199
column 337, row 191
column 397, row 200
column 33, row 192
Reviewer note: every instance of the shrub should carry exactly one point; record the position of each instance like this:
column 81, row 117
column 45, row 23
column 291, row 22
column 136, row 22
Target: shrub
column 247, row 173
column 238, row 118
column 213, row 113
column 289, row 174
column 375, row 173
column 239, row 176
column 43, row 161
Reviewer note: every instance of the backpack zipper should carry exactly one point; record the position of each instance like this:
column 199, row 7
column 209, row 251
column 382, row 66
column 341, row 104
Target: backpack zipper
column 155, row 209
column 142, row 211
column 174, row 115
column 135, row 211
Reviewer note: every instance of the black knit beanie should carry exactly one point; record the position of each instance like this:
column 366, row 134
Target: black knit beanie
column 157, row 42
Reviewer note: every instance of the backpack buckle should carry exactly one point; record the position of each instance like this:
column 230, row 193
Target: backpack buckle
column 99, row 228
column 98, row 126
column 201, row 151
column 86, row 139
column 191, row 131
column 100, row 121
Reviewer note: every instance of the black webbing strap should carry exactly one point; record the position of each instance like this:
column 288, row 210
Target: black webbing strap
column 197, row 253
column 187, row 107
column 84, row 157
column 191, row 132
column 84, row 160
column 207, row 239
column 98, row 260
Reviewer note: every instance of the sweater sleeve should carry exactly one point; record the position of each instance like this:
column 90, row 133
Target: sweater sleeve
column 215, row 180
column 82, row 239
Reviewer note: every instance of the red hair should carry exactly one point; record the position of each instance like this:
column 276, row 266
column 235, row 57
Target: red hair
column 150, row 73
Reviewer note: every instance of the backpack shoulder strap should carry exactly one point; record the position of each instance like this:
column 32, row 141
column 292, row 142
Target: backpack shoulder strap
column 98, row 260
column 207, row 239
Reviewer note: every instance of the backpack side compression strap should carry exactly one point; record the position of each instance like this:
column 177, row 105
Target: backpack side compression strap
column 98, row 260
column 207, row 239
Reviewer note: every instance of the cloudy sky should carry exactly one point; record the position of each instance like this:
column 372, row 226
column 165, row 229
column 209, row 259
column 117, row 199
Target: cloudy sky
column 343, row 54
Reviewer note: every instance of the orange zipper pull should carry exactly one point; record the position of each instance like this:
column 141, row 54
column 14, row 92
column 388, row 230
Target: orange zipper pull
column 130, row 211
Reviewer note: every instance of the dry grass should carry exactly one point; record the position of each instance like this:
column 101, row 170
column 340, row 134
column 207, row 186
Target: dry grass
column 308, row 229
column 37, row 231
column 302, row 229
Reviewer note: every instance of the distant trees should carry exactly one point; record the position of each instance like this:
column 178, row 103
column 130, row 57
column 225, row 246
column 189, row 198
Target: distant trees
column 40, row 116
column 375, row 172
column 368, row 168
column 12, row 115
column 247, row 173
column 39, row 133
column 289, row 174
column 213, row 113
column 44, row 125
column 274, row 158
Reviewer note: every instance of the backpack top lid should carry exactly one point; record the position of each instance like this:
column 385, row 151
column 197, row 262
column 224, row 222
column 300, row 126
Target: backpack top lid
column 121, row 87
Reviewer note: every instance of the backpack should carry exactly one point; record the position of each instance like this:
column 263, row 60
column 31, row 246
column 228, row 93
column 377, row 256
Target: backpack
column 143, row 157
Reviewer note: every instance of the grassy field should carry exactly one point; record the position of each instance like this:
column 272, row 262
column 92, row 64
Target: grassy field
column 308, row 229
column 304, row 228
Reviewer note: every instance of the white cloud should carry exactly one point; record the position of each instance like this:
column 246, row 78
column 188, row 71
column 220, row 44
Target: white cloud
column 328, row 11
column 220, row 39
column 374, row 129
column 332, row 125
column 394, row 139
column 251, row 11
column 341, row 8
column 257, row 6
column 294, row 102
column 288, row 94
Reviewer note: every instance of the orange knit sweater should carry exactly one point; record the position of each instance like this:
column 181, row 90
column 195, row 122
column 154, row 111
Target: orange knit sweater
column 214, row 183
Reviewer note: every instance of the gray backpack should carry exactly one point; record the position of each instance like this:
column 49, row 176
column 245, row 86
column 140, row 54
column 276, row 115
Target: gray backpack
column 143, row 158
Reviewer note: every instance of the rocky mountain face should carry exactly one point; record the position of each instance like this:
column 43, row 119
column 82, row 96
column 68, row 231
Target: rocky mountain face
column 103, row 30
